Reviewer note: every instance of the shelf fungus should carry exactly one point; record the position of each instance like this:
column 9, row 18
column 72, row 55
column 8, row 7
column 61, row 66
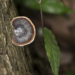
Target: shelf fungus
column 24, row 32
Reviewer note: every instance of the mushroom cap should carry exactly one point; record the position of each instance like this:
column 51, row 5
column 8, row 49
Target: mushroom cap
column 28, row 33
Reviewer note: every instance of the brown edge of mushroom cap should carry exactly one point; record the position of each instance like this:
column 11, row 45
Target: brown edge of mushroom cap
column 33, row 37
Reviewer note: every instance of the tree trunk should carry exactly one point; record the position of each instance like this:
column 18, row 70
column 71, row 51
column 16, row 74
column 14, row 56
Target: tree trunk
column 13, row 60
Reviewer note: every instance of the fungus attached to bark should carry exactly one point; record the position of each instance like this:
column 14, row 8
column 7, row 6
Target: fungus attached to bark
column 24, row 32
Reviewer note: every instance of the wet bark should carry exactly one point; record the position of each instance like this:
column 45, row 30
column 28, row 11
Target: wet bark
column 13, row 60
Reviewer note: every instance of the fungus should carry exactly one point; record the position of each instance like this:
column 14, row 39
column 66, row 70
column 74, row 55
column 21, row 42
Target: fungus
column 24, row 32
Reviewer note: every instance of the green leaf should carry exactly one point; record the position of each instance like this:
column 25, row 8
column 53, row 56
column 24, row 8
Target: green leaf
column 48, row 6
column 52, row 50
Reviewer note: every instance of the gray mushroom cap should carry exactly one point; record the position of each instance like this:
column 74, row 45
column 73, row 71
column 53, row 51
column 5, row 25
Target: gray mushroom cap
column 24, row 32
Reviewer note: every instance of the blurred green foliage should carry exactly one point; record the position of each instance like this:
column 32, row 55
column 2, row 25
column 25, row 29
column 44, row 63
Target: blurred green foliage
column 52, row 50
column 48, row 6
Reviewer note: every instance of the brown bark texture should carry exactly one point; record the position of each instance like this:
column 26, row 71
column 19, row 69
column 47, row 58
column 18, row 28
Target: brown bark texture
column 14, row 60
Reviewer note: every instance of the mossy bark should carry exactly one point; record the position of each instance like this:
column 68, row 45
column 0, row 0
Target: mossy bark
column 13, row 60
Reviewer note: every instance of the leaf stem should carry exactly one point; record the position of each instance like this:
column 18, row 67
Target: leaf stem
column 40, row 2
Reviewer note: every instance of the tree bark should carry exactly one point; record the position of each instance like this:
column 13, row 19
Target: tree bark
column 13, row 60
